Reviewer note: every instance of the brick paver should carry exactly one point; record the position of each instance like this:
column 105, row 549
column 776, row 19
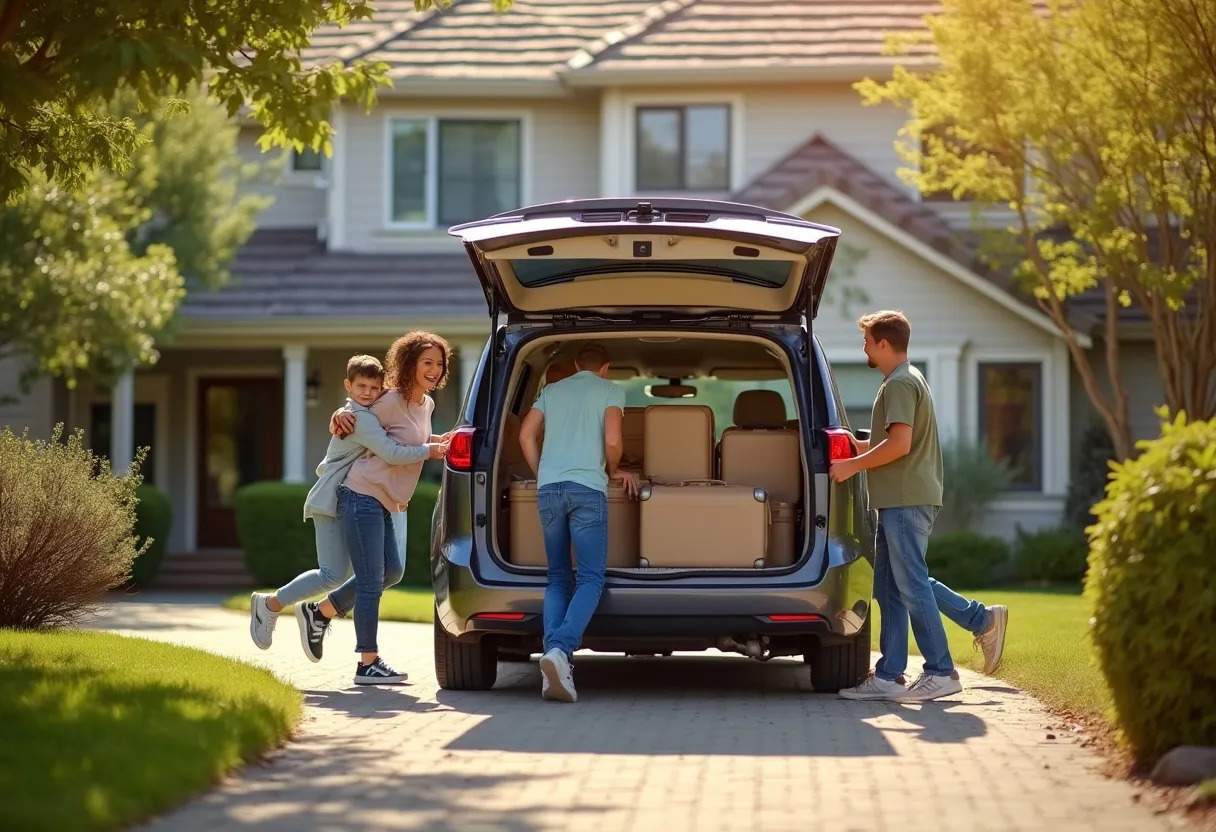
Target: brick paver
column 705, row 742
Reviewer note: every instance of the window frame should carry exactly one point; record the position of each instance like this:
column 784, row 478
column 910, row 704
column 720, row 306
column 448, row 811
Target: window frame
column 1039, row 450
column 682, row 146
column 296, row 155
column 432, row 120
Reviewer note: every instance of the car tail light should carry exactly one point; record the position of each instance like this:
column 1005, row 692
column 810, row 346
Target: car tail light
column 460, row 449
column 840, row 446
column 501, row 616
column 779, row 618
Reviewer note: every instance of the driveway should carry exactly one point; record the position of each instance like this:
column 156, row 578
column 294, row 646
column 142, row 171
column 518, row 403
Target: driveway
column 704, row 742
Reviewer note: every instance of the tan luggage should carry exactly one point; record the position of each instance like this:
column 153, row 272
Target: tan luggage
column 704, row 524
column 679, row 442
column 781, row 529
column 633, row 432
column 527, row 540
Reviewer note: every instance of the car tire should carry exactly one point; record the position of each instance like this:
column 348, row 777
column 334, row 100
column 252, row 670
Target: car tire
column 464, row 665
column 839, row 666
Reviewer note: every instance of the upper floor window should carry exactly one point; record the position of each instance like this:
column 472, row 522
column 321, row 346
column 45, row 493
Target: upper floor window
column 305, row 160
column 448, row 171
column 1011, row 419
column 683, row 148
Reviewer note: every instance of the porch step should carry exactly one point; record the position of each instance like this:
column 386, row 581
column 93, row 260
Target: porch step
column 216, row 569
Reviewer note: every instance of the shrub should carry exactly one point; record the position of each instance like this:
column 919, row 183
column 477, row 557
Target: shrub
column 1088, row 485
column 967, row 559
column 418, row 535
column 1151, row 584
column 153, row 520
column 278, row 543
column 1050, row 555
column 972, row 480
column 65, row 529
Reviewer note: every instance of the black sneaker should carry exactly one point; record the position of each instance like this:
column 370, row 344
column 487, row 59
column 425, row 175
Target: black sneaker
column 377, row 673
column 313, row 627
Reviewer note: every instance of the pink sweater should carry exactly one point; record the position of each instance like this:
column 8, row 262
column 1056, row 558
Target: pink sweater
column 407, row 423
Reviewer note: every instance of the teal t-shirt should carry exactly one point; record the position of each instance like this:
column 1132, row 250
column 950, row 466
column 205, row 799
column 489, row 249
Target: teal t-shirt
column 573, row 449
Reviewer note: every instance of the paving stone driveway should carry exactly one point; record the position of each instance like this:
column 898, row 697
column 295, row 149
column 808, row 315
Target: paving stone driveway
column 707, row 742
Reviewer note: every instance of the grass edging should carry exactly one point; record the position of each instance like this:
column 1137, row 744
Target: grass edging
column 399, row 603
column 103, row 730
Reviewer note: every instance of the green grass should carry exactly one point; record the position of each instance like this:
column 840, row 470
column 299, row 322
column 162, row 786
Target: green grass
column 1047, row 647
column 410, row 603
column 100, row 730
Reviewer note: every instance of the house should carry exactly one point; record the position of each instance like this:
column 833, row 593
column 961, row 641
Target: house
column 557, row 99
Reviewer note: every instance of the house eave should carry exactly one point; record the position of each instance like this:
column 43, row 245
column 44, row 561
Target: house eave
column 593, row 76
column 411, row 86
column 272, row 332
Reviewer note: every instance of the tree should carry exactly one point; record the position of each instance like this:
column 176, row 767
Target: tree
column 89, row 279
column 59, row 59
column 1095, row 123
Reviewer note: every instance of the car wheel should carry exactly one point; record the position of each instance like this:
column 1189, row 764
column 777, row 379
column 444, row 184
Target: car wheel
column 464, row 665
column 837, row 666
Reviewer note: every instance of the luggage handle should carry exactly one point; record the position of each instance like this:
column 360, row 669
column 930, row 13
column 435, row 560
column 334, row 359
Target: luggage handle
column 704, row 481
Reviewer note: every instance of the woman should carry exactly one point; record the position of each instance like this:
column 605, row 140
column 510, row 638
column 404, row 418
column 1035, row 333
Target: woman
column 417, row 364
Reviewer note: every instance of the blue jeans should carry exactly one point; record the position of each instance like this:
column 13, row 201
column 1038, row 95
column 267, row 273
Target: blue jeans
column 903, row 590
column 971, row 615
column 371, row 539
column 333, row 564
column 572, row 513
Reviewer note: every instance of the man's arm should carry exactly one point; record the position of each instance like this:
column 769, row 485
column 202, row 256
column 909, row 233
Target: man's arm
column 614, row 445
column 529, row 433
column 897, row 444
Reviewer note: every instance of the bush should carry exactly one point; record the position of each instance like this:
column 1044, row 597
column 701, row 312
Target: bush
column 65, row 529
column 418, row 535
column 1053, row 555
column 1089, row 484
column 153, row 520
column 1151, row 584
column 972, row 480
column 967, row 559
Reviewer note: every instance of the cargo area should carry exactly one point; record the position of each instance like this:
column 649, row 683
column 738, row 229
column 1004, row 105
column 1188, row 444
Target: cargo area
column 711, row 429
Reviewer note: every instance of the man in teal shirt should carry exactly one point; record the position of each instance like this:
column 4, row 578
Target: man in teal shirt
column 581, row 416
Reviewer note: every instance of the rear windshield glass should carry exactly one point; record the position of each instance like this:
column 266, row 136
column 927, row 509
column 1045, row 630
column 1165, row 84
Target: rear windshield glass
column 539, row 272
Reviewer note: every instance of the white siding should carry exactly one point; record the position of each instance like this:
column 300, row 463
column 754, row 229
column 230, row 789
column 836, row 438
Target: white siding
column 18, row 410
column 298, row 202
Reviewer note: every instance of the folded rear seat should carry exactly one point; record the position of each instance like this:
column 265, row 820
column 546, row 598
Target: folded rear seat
column 678, row 443
column 633, row 432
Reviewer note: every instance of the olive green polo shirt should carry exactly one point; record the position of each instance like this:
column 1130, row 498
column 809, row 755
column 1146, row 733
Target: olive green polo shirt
column 916, row 478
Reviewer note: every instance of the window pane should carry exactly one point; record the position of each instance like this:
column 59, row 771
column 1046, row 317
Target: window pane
column 479, row 169
column 409, row 172
column 306, row 159
column 101, row 434
column 1010, row 404
column 658, row 149
column 707, row 143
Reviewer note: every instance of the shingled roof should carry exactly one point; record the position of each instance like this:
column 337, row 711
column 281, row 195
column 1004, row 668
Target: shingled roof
column 287, row 275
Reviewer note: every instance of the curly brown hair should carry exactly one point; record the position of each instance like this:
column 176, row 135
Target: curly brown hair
column 402, row 360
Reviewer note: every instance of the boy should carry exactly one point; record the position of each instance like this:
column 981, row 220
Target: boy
column 364, row 384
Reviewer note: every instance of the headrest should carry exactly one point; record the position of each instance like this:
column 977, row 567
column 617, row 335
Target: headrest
column 560, row 370
column 760, row 409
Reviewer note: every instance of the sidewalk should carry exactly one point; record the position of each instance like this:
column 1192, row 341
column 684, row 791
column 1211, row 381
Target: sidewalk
column 701, row 742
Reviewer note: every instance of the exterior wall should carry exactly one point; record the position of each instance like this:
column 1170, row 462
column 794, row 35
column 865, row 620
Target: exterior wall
column 298, row 202
column 19, row 411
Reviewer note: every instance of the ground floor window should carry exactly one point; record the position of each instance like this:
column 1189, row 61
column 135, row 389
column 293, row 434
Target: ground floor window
column 858, row 386
column 1011, row 418
column 101, row 430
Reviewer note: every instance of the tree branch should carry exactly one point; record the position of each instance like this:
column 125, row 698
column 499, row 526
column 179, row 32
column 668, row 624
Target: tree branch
column 10, row 19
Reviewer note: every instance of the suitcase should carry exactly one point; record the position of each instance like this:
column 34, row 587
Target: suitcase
column 678, row 443
column 704, row 524
column 527, row 540
column 781, row 529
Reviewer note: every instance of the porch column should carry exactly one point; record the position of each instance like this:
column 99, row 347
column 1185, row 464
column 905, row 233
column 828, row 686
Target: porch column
column 295, row 410
column 122, row 423
column 470, row 357
column 944, row 380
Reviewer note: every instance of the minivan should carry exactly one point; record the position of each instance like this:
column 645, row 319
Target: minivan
column 702, row 304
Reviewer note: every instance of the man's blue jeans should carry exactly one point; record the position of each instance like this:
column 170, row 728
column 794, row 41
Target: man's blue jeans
column 572, row 513
column 904, row 591
column 371, row 539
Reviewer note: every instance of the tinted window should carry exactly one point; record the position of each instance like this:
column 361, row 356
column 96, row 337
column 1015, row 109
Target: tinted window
column 773, row 273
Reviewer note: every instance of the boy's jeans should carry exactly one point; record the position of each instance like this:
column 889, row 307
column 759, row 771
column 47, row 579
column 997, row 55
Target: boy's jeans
column 903, row 590
column 371, row 538
column 332, row 559
column 970, row 615
column 570, row 512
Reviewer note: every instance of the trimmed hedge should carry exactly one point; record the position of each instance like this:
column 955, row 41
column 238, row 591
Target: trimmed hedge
column 1151, row 584
column 279, row 544
column 1050, row 555
column 153, row 522
column 967, row 559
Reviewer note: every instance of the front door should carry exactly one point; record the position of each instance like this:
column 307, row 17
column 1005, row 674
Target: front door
column 240, row 442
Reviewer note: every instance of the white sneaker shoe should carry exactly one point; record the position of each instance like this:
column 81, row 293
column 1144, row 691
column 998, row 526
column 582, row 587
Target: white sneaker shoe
column 931, row 687
column 558, row 681
column 992, row 640
column 261, row 620
column 874, row 688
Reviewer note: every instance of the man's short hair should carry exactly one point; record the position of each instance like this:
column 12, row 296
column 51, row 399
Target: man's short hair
column 889, row 325
column 591, row 357
column 364, row 366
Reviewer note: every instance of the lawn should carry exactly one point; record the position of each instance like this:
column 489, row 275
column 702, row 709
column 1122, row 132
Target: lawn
column 101, row 730
column 410, row 603
column 1047, row 648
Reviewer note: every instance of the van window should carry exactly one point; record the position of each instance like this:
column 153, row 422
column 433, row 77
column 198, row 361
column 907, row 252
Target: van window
column 542, row 271
column 717, row 394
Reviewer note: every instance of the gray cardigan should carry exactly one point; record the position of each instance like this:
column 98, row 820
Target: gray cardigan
column 369, row 437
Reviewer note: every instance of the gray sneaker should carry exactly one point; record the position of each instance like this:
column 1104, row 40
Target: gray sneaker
column 872, row 687
column 931, row 687
column 992, row 640
column 261, row 620
column 555, row 668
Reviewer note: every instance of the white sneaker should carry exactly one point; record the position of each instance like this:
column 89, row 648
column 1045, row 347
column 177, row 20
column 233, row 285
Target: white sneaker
column 555, row 668
column 261, row 620
column 931, row 687
column 992, row 640
column 874, row 688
